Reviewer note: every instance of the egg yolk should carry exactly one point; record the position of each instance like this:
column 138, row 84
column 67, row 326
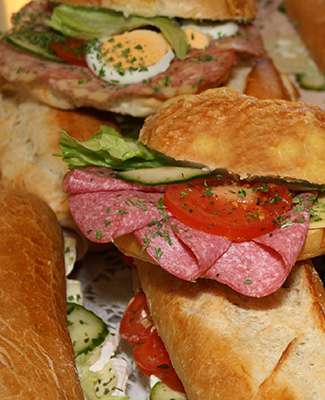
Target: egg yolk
column 135, row 50
column 197, row 39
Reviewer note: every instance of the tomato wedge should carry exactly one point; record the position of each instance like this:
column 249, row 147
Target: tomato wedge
column 152, row 359
column 239, row 213
column 70, row 51
column 136, row 325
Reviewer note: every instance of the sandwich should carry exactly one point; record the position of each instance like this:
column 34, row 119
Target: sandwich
column 52, row 347
column 125, row 56
column 219, row 186
column 37, row 359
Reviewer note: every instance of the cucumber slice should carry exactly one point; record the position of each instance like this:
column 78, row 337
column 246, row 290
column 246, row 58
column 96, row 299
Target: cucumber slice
column 74, row 292
column 161, row 175
column 311, row 79
column 162, row 392
column 86, row 329
column 36, row 43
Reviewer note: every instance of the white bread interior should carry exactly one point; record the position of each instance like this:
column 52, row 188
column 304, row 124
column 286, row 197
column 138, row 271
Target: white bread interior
column 225, row 346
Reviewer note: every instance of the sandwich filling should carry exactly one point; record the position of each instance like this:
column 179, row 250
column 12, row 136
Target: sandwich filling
column 93, row 55
column 195, row 223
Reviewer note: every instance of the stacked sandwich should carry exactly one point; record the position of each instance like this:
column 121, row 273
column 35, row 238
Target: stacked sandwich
column 219, row 202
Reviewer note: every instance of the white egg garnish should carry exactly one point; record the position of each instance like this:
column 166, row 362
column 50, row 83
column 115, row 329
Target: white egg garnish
column 131, row 57
column 200, row 35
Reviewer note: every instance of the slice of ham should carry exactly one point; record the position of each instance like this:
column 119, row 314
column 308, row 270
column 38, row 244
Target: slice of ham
column 254, row 268
column 89, row 180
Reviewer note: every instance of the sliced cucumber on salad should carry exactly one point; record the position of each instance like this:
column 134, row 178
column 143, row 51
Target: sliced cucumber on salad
column 162, row 175
column 87, row 331
column 37, row 43
column 162, row 392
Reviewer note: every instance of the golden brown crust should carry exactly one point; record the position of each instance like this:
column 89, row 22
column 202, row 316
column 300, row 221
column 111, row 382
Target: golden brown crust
column 197, row 9
column 223, row 129
column 308, row 16
column 30, row 133
column 227, row 346
column 36, row 356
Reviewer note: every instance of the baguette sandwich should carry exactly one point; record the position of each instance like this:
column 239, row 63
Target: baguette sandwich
column 125, row 56
column 50, row 349
column 36, row 356
column 220, row 186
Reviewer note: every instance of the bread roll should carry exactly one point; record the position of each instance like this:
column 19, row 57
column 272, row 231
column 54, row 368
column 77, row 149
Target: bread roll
column 197, row 9
column 223, row 129
column 30, row 134
column 225, row 346
column 309, row 19
column 36, row 356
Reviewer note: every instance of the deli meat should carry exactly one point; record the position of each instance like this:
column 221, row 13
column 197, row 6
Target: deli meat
column 105, row 209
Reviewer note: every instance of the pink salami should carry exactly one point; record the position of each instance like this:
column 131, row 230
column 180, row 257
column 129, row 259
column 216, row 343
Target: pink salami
column 207, row 248
column 164, row 247
column 89, row 180
column 249, row 269
column 102, row 216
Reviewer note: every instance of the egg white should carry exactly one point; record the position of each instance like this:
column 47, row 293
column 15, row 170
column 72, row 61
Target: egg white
column 96, row 62
column 216, row 31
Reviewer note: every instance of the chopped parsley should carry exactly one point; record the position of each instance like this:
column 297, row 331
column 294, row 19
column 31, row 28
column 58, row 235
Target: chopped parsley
column 242, row 193
column 158, row 253
column 248, row 281
column 99, row 235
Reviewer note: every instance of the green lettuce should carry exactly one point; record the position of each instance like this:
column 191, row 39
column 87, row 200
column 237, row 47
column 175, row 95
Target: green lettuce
column 108, row 148
column 92, row 23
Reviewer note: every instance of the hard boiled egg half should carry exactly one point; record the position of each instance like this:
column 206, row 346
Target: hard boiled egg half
column 199, row 35
column 130, row 57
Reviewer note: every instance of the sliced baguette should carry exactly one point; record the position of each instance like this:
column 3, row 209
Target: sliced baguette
column 227, row 346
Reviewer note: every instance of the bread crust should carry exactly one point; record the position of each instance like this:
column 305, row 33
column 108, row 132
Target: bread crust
column 36, row 358
column 310, row 22
column 196, row 9
column 227, row 346
column 30, row 133
column 223, row 129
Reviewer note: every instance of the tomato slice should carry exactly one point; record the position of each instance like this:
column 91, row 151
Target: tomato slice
column 136, row 325
column 70, row 51
column 152, row 359
column 239, row 213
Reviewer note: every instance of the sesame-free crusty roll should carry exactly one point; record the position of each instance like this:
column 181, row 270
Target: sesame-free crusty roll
column 36, row 356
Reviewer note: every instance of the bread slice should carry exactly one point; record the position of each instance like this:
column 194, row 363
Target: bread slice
column 226, row 346
column 36, row 355
column 196, row 9
column 223, row 129
column 310, row 22
column 30, row 134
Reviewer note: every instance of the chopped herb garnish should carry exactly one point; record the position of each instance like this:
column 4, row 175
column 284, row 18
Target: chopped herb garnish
column 121, row 212
column 158, row 253
column 242, row 193
column 275, row 199
column 99, row 235
column 248, row 281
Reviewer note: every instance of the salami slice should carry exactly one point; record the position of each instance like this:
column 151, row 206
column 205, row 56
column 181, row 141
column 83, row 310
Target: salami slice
column 89, row 180
column 249, row 269
column 288, row 241
column 207, row 248
column 164, row 247
column 102, row 216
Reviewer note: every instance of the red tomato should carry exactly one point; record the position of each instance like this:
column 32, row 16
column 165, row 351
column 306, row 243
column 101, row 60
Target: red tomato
column 136, row 325
column 239, row 213
column 70, row 51
column 152, row 359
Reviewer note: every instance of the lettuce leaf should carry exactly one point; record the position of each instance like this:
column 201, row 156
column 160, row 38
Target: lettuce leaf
column 92, row 23
column 110, row 149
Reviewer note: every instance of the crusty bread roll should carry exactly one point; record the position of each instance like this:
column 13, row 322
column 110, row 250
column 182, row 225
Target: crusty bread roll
column 36, row 356
column 197, row 9
column 225, row 346
column 309, row 18
column 223, row 129
column 30, row 134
